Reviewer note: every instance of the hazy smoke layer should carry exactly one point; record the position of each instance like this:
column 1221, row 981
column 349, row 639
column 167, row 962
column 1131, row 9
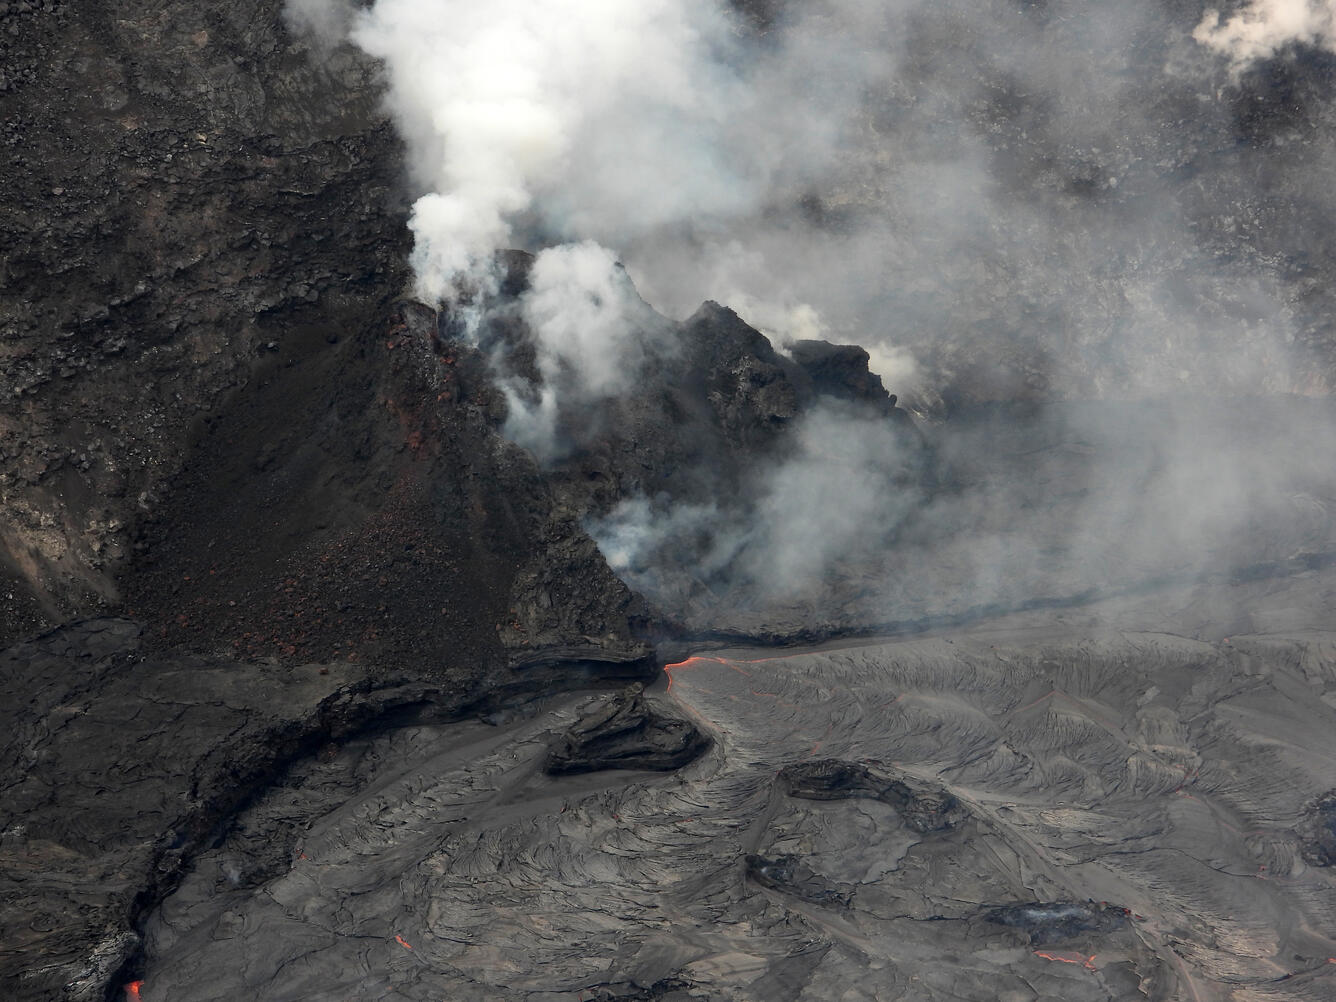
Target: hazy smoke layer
column 842, row 488
column 1079, row 500
column 1001, row 201
column 660, row 123
column 1037, row 199
column 1264, row 26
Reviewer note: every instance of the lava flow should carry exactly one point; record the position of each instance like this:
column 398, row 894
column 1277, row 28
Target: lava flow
column 132, row 990
column 697, row 661
column 1069, row 958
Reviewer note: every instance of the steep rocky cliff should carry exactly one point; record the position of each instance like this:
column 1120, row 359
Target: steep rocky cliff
column 186, row 193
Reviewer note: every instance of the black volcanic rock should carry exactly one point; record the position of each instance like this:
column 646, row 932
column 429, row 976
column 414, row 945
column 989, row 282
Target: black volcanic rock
column 841, row 371
column 121, row 765
column 790, row 875
column 626, row 731
column 1318, row 831
column 714, row 413
column 1050, row 922
column 188, row 197
column 924, row 807
column 362, row 505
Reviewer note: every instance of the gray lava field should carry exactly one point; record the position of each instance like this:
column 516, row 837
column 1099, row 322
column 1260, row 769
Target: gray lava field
column 996, row 815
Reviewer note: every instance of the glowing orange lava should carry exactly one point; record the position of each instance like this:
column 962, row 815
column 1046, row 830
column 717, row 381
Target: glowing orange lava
column 403, row 942
column 132, row 990
column 1069, row 958
column 696, row 661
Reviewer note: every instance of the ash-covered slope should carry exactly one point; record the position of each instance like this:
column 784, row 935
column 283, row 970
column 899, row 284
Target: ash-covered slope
column 216, row 420
column 361, row 505
column 184, row 191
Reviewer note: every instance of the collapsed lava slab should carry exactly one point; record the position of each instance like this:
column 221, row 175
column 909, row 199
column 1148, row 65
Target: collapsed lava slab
column 626, row 731
column 790, row 875
column 924, row 807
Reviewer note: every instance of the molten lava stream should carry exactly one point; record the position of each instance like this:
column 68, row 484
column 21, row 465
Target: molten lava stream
column 698, row 661
column 1067, row 957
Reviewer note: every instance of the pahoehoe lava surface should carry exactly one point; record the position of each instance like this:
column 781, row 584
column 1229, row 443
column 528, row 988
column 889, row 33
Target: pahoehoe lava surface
column 1124, row 824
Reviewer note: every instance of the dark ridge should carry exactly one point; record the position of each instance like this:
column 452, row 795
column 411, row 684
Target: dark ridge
column 627, row 731
column 924, row 807
column 790, row 875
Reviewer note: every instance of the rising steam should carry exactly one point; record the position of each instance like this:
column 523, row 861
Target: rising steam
column 593, row 335
column 914, row 177
column 1263, row 27
column 529, row 119
column 1039, row 201
column 600, row 123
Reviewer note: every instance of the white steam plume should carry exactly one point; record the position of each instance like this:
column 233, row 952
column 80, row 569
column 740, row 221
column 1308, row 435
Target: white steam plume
column 987, row 186
column 1263, row 27
column 545, row 107
column 592, row 335
column 1022, row 193
column 638, row 125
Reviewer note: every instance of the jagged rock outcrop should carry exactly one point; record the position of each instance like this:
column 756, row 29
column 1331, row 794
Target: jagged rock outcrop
column 924, row 807
column 626, row 731
column 710, row 401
